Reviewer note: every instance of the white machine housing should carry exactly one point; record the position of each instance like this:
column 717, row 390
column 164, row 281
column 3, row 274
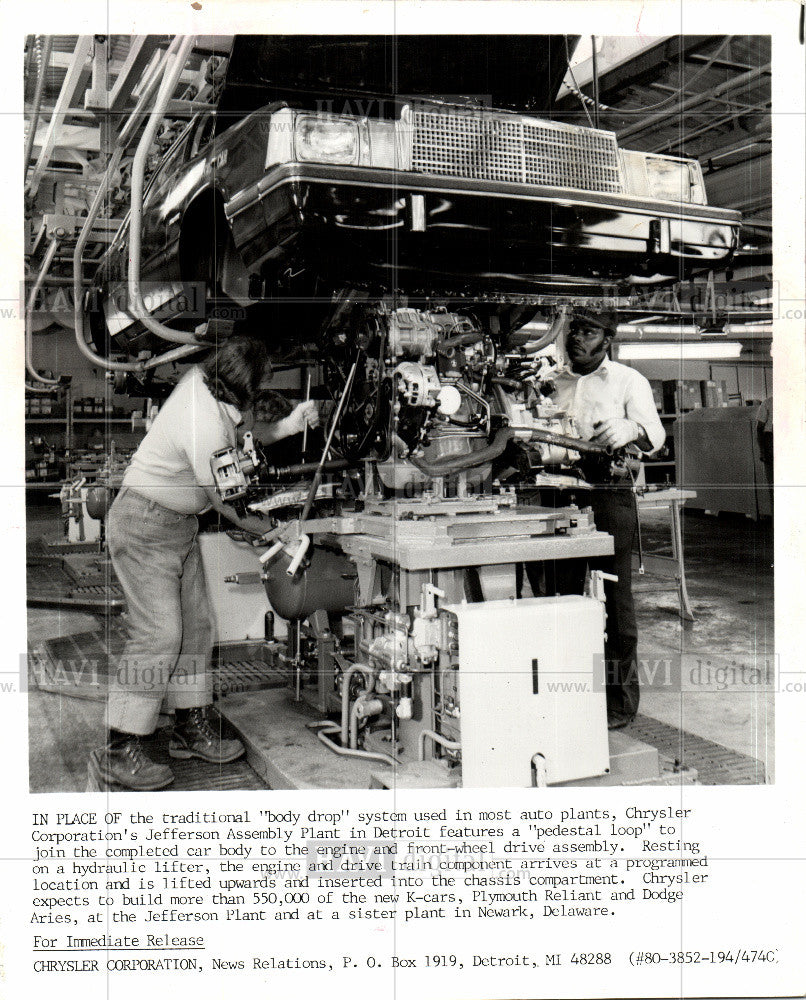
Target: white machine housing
column 239, row 611
column 532, row 681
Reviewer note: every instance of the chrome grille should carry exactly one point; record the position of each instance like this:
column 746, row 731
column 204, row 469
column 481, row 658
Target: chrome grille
column 486, row 146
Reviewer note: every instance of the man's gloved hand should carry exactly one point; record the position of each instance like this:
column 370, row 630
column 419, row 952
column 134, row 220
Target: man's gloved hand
column 616, row 432
column 303, row 414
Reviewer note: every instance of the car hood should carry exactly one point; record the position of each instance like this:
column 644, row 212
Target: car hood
column 368, row 75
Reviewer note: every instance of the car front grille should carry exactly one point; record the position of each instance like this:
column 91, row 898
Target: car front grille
column 498, row 147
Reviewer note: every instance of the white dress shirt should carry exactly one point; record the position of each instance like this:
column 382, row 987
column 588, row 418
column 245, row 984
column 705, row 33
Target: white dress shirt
column 612, row 390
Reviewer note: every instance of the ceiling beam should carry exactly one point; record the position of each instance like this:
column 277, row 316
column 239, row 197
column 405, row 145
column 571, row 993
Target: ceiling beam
column 75, row 77
column 62, row 60
column 654, row 119
column 697, row 133
column 641, row 68
column 140, row 53
column 81, row 137
column 728, row 102
column 719, row 63
column 759, row 145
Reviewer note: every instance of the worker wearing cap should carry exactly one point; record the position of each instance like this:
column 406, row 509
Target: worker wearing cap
column 612, row 405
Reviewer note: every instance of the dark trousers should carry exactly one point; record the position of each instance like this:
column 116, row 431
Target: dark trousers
column 614, row 511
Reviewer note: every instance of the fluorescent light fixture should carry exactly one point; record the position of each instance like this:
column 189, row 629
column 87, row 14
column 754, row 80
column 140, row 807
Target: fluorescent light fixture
column 676, row 351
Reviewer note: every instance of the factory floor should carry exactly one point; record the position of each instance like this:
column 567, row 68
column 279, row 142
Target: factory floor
column 713, row 677
column 709, row 678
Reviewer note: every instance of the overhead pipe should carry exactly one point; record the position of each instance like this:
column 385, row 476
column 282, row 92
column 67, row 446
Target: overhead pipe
column 690, row 332
column 47, row 45
column 29, row 316
column 126, row 134
column 153, row 74
column 753, row 329
column 149, row 89
column 170, row 80
column 724, row 88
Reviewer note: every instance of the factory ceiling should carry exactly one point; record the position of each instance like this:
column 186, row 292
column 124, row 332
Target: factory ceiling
column 700, row 96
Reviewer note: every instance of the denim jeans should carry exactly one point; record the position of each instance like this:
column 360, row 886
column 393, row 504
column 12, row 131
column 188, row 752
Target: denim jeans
column 165, row 663
column 614, row 511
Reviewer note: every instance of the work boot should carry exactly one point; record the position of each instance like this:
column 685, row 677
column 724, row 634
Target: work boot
column 195, row 735
column 123, row 761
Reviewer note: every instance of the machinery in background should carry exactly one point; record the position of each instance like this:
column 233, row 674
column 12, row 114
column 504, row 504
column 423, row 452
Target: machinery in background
column 80, row 511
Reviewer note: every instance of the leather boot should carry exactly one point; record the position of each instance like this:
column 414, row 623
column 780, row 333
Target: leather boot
column 196, row 735
column 123, row 761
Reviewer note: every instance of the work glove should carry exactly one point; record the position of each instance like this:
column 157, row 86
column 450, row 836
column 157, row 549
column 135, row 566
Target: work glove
column 616, row 432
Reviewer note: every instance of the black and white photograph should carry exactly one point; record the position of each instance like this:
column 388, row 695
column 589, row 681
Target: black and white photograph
column 398, row 411
column 405, row 407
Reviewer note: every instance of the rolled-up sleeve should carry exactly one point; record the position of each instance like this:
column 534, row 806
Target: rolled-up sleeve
column 640, row 407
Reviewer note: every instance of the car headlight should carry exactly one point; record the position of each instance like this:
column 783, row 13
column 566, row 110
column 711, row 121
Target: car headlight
column 667, row 178
column 326, row 139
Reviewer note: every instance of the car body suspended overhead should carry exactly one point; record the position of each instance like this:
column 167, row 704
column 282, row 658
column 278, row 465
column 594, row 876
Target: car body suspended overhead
column 427, row 167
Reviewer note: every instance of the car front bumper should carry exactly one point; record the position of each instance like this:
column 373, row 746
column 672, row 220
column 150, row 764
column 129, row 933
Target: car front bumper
column 410, row 230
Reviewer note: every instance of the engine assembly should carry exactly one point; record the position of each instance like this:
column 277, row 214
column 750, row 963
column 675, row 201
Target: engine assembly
column 413, row 523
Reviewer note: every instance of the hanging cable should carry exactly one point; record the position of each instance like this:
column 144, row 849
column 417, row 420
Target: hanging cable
column 680, row 93
column 573, row 78
column 126, row 135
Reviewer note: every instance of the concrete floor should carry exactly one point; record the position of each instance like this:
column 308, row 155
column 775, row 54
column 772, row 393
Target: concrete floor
column 730, row 578
column 725, row 658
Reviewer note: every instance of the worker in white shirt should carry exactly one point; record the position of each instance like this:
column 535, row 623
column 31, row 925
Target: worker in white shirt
column 611, row 404
column 151, row 533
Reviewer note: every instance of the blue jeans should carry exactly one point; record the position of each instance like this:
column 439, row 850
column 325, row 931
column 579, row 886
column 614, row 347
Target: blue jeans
column 165, row 663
